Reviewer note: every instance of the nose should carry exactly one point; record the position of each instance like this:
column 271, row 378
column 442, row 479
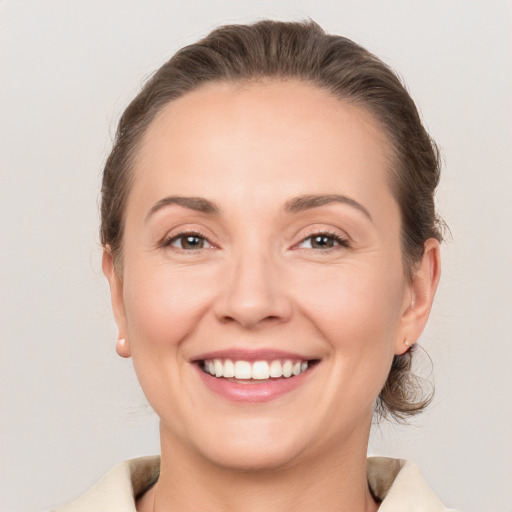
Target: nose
column 253, row 293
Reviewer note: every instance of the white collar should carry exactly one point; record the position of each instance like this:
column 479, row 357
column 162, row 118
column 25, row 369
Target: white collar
column 397, row 483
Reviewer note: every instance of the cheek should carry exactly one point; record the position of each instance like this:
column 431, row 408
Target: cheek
column 354, row 298
column 357, row 311
column 164, row 304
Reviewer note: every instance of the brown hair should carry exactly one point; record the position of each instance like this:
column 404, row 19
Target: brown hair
column 298, row 51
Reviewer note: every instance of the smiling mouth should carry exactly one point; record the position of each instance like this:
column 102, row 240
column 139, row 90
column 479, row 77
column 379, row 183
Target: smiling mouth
column 262, row 370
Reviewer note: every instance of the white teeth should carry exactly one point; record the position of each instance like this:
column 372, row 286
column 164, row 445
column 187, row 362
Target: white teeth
column 287, row 368
column 228, row 371
column 258, row 370
column 242, row 370
column 276, row 369
column 217, row 364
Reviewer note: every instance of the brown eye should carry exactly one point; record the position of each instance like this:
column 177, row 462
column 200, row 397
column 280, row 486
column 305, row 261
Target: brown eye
column 323, row 241
column 188, row 242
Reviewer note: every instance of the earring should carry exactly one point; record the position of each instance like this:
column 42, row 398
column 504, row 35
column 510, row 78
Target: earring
column 122, row 348
column 406, row 343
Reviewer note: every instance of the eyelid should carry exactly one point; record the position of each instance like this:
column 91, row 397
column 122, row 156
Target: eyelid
column 174, row 235
column 342, row 238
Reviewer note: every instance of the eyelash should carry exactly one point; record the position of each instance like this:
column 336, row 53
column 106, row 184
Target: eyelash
column 335, row 237
column 167, row 242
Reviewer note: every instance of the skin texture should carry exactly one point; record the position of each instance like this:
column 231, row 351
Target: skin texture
column 258, row 282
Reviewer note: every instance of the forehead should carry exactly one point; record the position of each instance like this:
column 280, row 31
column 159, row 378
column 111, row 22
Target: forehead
column 254, row 136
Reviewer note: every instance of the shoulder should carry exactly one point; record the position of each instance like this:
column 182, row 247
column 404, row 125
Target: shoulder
column 117, row 490
column 401, row 487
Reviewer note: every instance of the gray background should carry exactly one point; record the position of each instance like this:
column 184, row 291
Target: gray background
column 69, row 408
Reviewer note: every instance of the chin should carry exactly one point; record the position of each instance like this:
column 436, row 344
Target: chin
column 252, row 458
column 243, row 447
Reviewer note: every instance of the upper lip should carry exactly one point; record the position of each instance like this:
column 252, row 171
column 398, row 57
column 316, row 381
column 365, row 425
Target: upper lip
column 239, row 354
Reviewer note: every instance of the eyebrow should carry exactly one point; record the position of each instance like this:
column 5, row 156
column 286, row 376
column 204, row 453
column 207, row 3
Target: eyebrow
column 301, row 203
column 199, row 204
column 295, row 205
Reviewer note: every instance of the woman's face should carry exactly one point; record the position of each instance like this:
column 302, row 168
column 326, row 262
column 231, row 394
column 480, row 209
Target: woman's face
column 262, row 238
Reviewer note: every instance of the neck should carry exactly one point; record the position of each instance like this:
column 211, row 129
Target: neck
column 334, row 481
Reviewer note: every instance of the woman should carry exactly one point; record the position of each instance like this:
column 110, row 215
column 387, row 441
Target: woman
column 272, row 250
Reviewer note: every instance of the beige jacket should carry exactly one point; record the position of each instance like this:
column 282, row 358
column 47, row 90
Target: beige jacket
column 397, row 483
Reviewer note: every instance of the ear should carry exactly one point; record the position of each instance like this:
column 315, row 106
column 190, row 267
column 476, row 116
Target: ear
column 422, row 289
column 116, row 295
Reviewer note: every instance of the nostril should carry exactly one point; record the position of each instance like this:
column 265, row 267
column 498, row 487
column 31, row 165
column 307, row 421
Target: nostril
column 250, row 322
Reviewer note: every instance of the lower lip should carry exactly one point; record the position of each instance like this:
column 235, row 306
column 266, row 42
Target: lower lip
column 253, row 391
